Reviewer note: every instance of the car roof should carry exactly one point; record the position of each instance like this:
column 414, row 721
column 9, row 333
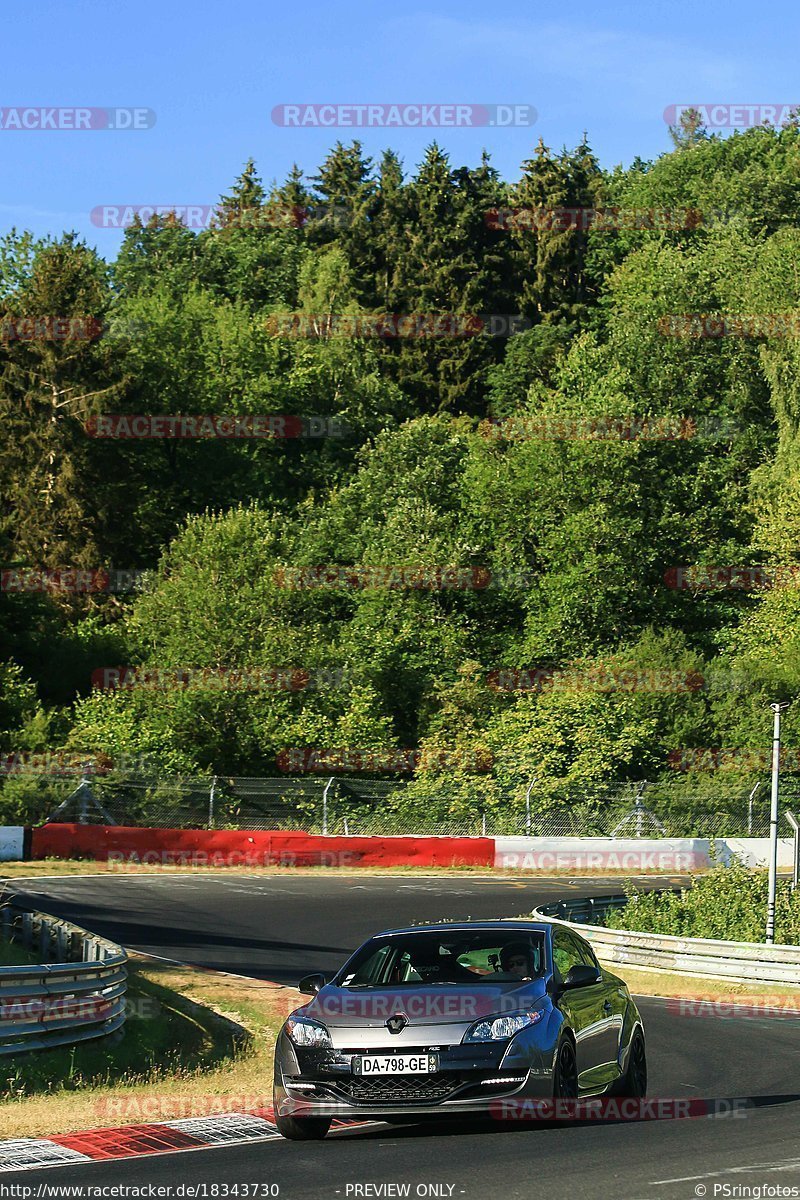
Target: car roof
column 501, row 925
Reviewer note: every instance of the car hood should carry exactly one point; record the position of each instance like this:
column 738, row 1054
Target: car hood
column 370, row 1008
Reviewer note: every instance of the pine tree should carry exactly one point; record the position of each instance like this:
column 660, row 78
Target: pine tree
column 346, row 189
column 555, row 199
column 389, row 227
column 453, row 266
column 242, row 206
column 253, row 250
column 159, row 253
column 689, row 131
column 289, row 204
column 56, row 370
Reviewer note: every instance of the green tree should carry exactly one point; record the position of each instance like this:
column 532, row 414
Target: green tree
column 56, row 370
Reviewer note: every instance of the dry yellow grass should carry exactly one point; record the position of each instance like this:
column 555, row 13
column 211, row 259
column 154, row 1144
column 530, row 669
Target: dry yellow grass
column 243, row 1081
column 57, row 866
column 668, row 983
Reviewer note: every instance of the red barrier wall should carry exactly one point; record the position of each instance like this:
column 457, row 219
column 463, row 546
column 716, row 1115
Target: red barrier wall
column 201, row 847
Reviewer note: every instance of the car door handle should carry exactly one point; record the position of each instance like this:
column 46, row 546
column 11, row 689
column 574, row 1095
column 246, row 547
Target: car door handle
column 607, row 1007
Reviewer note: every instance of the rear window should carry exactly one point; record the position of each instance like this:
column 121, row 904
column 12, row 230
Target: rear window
column 447, row 959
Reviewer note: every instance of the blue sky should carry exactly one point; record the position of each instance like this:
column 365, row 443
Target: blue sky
column 214, row 72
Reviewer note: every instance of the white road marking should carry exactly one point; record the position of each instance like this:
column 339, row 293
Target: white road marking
column 788, row 1164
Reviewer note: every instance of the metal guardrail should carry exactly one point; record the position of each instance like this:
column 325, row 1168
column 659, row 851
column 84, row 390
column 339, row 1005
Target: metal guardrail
column 583, row 910
column 737, row 962
column 76, row 992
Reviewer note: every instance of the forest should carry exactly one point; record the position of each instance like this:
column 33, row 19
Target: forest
column 415, row 471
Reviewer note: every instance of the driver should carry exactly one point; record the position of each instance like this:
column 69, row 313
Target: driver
column 516, row 958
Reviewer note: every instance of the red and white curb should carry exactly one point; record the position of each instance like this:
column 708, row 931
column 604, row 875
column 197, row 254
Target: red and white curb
column 134, row 1141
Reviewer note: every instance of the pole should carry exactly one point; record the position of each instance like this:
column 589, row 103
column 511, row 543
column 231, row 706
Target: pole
column 83, row 812
column 528, row 807
column 325, row 805
column 750, row 810
column 777, row 709
column 639, row 813
column 211, row 795
column 795, row 824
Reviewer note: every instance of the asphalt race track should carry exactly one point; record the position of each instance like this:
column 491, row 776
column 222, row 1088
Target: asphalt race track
column 280, row 927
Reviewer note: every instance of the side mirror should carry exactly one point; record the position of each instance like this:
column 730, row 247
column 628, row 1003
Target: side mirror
column 312, row 984
column 580, row 976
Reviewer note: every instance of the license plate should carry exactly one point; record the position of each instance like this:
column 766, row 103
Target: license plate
column 395, row 1064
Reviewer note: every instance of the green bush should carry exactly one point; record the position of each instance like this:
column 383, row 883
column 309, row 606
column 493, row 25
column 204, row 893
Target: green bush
column 730, row 903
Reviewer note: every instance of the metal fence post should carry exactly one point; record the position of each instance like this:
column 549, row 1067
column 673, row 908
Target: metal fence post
column 528, row 807
column 44, row 939
column 792, row 819
column 777, row 709
column 325, row 806
column 83, row 810
column 750, row 809
column 211, row 796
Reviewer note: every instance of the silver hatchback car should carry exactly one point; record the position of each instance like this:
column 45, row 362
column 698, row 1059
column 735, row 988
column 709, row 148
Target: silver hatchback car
column 463, row 1018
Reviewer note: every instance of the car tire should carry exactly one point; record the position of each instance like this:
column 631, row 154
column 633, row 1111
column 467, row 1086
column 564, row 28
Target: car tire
column 634, row 1081
column 565, row 1072
column 303, row 1129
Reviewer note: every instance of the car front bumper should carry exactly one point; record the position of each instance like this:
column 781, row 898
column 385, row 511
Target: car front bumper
column 470, row 1079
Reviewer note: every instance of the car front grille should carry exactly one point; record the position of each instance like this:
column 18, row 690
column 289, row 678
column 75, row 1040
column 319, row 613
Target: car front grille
column 399, row 1088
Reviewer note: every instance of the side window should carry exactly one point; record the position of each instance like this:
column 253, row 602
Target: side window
column 374, row 969
column 586, row 952
column 565, row 952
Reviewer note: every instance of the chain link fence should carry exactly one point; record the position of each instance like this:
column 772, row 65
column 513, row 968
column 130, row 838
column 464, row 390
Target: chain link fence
column 345, row 805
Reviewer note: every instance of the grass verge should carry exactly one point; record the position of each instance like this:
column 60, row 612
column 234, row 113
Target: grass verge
column 14, row 956
column 58, row 866
column 670, row 984
column 195, row 1043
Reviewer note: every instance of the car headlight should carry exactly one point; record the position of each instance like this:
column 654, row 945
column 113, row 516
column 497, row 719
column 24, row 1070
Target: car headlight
column 498, row 1029
column 305, row 1032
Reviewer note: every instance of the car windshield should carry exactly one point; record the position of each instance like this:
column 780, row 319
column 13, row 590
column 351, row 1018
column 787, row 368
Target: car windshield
column 458, row 958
